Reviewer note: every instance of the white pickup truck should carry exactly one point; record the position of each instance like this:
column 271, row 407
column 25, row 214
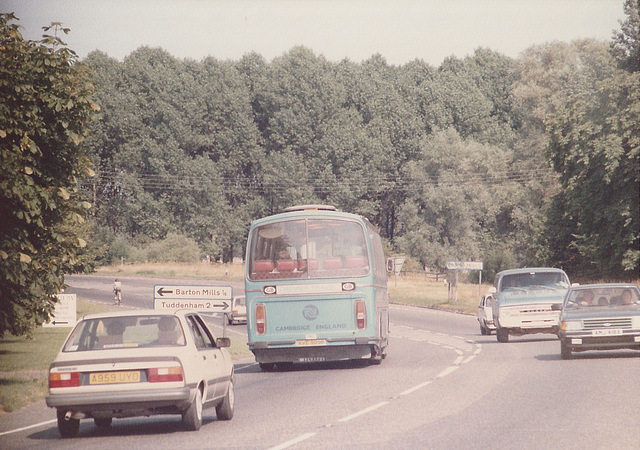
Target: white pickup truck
column 523, row 299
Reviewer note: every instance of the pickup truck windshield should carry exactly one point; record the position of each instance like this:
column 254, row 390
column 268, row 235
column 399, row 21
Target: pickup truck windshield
column 553, row 280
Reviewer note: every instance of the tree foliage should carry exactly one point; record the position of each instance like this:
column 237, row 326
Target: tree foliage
column 45, row 108
column 451, row 162
column 594, row 225
column 626, row 42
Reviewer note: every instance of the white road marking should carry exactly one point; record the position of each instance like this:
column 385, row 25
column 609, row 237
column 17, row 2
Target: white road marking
column 468, row 359
column 41, row 424
column 361, row 412
column 293, row 441
column 415, row 388
column 447, row 371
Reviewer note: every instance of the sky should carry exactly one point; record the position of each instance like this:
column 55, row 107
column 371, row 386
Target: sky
column 399, row 30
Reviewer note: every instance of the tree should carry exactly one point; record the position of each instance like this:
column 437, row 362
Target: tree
column 46, row 104
column 626, row 42
column 594, row 224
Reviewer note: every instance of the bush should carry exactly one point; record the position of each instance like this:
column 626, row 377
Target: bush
column 174, row 248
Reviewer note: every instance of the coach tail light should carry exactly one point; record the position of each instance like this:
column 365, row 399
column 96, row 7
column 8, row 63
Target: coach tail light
column 361, row 315
column 261, row 318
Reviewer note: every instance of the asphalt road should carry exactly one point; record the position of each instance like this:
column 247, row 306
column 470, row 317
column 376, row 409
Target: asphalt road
column 443, row 385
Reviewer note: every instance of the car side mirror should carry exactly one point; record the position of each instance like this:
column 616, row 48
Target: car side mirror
column 556, row 307
column 492, row 290
column 223, row 342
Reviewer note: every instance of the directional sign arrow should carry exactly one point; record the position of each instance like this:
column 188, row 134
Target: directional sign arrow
column 223, row 305
column 161, row 292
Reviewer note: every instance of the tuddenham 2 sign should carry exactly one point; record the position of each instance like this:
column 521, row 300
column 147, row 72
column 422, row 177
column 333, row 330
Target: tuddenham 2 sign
column 205, row 299
column 465, row 265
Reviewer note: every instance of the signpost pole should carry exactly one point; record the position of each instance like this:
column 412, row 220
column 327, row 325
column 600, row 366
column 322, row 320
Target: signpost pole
column 457, row 266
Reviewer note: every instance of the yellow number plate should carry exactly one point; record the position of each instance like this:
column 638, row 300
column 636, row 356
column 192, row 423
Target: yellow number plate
column 308, row 342
column 115, row 377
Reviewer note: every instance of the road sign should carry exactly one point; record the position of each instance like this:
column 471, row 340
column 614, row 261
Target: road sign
column 64, row 315
column 206, row 299
column 464, row 265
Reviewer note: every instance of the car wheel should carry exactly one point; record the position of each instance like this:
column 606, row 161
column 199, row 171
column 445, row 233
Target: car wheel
column 483, row 329
column 267, row 367
column 224, row 410
column 67, row 427
column 565, row 352
column 103, row 422
column 502, row 335
column 192, row 417
column 229, row 321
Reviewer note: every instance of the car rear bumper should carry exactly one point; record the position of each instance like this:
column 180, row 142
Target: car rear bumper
column 265, row 353
column 122, row 401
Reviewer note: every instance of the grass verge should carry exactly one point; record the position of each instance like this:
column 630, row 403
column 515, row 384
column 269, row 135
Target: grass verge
column 25, row 362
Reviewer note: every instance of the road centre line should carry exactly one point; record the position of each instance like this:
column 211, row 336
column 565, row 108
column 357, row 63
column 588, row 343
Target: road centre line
column 447, row 371
column 293, row 441
column 363, row 411
column 415, row 388
column 456, row 364
column 468, row 359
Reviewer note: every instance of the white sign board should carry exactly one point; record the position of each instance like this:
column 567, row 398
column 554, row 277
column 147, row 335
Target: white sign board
column 64, row 314
column 464, row 265
column 398, row 261
column 200, row 298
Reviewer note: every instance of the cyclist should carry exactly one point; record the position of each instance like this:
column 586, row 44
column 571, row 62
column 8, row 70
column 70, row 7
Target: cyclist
column 117, row 291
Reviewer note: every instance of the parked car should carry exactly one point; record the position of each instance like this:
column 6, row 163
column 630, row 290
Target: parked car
column 485, row 313
column 524, row 299
column 238, row 312
column 140, row 363
column 599, row 317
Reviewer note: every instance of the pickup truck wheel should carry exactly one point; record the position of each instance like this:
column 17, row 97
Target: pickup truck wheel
column 502, row 335
column 67, row 427
column 483, row 329
column 565, row 352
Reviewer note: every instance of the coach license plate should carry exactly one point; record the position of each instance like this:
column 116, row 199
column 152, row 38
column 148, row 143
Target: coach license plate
column 309, row 342
column 132, row 376
column 607, row 332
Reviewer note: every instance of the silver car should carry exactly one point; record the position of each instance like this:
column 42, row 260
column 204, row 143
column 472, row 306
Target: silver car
column 485, row 313
column 599, row 317
column 140, row 363
column 238, row 312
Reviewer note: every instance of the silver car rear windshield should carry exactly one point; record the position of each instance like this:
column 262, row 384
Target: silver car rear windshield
column 125, row 332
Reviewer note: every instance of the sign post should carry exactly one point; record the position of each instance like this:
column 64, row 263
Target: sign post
column 394, row 264
column 64, row 315
column 466, row 265
column 205, row 299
